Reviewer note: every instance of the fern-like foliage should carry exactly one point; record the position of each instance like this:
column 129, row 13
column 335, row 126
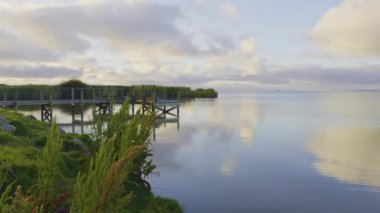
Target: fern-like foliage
column 113, row 182
column 121, row 156
column 50, row 180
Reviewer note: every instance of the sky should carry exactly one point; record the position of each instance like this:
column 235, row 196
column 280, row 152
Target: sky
column 228, row 45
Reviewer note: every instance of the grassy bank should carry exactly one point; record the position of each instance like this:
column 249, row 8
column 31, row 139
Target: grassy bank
column 43, row 169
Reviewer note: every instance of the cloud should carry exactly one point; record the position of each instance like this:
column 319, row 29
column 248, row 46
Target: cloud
column 13, row 48
column 240, row 60
column 334, row 76
column 248, row 45
column 229, row 10
column 138, row 41
column 350, row 29
column 120, row 42
column 311, row 77
column 42, row 72
column 132, row 28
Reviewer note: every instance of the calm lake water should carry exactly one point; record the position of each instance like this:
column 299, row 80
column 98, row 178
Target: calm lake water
column 273, row 152
column 270, row 152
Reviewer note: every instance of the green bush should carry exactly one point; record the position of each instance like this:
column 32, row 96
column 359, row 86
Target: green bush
column 103, row 172
column 7, row 138
column 39, row 141
column 21, row 130
column 159, row 204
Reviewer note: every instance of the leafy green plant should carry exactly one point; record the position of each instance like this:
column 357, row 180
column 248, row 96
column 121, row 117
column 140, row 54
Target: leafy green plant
column 105, row 175
column 49, row 182
column 122, row 153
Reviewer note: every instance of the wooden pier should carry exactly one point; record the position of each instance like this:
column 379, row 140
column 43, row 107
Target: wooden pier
column 101, row 97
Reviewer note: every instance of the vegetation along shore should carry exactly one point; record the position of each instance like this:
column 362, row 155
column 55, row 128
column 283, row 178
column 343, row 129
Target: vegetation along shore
column 43, row 169
column 166, row 92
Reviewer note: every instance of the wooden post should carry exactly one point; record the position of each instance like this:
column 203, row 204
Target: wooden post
column 133, row 108
column 165, row 116
column 93, row 102
column 133, row 99
column 46, row 112
column 72, row 118
column 81, row 122
column 42, row 112
column 93, row 95
column 72, row 96
column 154, row 98
column 164, row 111
column 81, row 100
column 81, row 95
column 178, row 123
column 109, row 93
column 5, row 94
column 125, row 96
column 154, row 93
column 51, row 105
column 16, row 98
column 51, row 94
column 143, row 93
column 178, row 111
column 3, row 91
column 154, row 132
column 143, row 100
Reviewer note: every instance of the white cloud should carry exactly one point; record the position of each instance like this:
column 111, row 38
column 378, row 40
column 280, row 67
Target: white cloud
column 13, row 48
column 248, row 45
column 350, row 29
column 131, row 42
column 42, row 72
column 126, row 27
column 230, row 10
column 238, row 61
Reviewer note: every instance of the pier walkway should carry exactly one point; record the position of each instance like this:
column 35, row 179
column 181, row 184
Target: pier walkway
column 101, row 97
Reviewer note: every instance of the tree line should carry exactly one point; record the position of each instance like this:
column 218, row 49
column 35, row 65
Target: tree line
column 65, row 90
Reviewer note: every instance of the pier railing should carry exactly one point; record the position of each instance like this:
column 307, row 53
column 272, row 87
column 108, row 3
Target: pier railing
column 102, row 97
column 20, row 95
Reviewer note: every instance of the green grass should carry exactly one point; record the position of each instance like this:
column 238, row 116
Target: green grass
column 47, row 171
column 9, row 139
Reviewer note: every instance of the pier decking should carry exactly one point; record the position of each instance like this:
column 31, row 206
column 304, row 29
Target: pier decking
column 101, row 97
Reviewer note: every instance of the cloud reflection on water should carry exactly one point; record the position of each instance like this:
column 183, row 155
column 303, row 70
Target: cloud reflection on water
column 222, row 128
column 349, row 150
column 349, row 154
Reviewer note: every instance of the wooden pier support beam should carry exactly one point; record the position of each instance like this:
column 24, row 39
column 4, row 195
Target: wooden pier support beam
column 102, row 108
column 72, row 96
column 16, row 99
column 81, row 100
column 46, row 112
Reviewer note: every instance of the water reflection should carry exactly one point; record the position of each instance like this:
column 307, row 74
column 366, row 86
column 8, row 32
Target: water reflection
column 240, row 115
column 74, row 120
column 351, row 105
column 248, row 113
column 247, row 154
column 349, row 154
column 228, row 166
column 347, row 146
column 209, row 137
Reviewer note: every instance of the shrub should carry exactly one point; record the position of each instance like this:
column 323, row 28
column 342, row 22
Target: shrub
column 109, row 179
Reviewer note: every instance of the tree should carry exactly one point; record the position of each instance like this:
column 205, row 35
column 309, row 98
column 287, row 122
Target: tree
column 73, row 83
